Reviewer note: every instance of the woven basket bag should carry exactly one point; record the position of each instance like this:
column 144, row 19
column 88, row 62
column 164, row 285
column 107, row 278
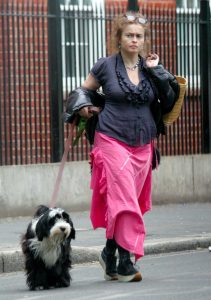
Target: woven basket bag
column 173, row 115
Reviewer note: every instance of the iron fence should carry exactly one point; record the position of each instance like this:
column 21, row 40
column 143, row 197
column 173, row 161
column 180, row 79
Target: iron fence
column 47, row 49
column 24, row 87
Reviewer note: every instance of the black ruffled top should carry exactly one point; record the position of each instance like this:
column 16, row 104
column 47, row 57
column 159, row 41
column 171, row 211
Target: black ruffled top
column 136, row 94
column 126, row 115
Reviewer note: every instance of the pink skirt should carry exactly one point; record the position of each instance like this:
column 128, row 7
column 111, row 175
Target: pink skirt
column 121, row 183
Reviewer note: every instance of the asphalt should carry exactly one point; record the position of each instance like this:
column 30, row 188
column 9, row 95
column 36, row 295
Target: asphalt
column 170, row 228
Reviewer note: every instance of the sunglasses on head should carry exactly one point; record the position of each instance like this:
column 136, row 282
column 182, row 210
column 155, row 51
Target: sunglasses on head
column 132, row 18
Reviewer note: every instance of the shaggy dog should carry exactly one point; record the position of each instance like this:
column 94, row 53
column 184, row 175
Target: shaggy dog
column 46, row 248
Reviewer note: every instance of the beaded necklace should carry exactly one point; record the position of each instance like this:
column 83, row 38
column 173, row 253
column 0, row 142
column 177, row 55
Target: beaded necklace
column 133, row 67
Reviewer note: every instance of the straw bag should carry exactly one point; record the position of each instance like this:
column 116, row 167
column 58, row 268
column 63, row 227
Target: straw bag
column 173, row 115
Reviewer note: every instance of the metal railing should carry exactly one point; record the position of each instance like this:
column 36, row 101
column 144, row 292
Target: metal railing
column 24, row 87
column 47, row 51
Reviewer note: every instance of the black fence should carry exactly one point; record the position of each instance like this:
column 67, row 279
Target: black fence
column 47, row 50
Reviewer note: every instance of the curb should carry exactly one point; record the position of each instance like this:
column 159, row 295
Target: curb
column 13, row 260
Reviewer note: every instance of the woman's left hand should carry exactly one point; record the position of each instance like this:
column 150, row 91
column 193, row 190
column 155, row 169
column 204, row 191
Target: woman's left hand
column 152, row 60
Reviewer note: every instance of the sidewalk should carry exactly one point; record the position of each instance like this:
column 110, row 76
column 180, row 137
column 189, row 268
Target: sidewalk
column 173, row 227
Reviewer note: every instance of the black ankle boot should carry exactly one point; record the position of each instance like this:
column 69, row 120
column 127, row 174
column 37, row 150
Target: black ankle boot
column 108, row 259
column 126, row 270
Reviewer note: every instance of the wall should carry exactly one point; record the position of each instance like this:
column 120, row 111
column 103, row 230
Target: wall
column 179, row 179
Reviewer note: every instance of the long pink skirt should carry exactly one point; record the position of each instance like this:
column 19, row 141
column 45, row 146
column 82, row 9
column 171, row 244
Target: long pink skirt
column 121, row 184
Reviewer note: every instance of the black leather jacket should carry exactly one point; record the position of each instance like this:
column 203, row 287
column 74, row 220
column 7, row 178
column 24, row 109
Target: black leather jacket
column 164, row 84
column 166, row 89
column 80, row 98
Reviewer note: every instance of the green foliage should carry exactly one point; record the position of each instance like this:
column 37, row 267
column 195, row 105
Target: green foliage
column 79, row 130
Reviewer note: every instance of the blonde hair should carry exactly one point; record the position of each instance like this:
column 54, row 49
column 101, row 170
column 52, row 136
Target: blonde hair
column 119, row 24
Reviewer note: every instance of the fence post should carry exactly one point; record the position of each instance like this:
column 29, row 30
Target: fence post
column 205, row 65
column 55, row 80
column 132, row 5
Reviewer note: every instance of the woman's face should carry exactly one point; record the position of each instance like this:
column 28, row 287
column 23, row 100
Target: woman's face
column 132, row 38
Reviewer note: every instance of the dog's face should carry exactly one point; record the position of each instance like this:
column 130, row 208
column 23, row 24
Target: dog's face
column 53, row 223
column 47, row 248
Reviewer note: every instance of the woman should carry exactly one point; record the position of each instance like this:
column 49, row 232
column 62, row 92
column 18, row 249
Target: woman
column 122, row 155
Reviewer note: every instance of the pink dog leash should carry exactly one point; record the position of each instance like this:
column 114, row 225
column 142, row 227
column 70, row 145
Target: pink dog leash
column 61, row 168
column 92, row 109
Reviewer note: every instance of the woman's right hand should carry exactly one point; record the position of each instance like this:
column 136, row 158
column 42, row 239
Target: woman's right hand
column 91, row 84
column 88, row 111
column 85, row 112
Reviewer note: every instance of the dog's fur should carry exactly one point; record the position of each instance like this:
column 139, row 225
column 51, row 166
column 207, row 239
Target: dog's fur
column 46, row 247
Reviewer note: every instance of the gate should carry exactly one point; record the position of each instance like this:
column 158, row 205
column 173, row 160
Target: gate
column 47, row 49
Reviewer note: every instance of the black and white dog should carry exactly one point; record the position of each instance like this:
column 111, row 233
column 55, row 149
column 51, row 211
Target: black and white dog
column 46, row 247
